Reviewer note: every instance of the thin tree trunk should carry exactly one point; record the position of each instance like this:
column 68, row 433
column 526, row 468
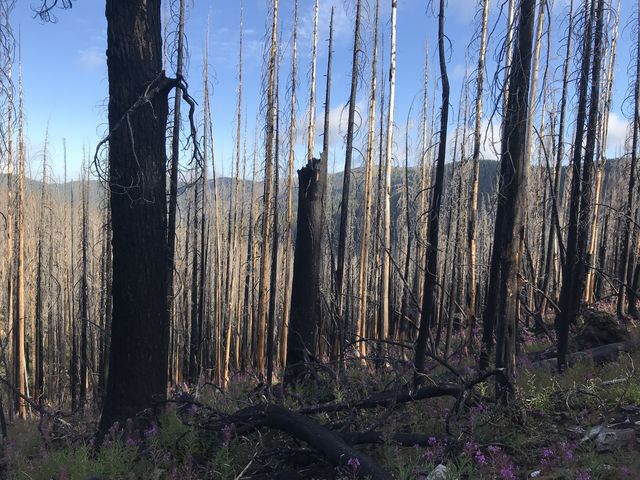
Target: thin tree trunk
column 574, row 272
column 472, row 297
column 312, row 89
column 363, row 294
column 288, row 246
column 19, row 326
column 346, row 181
column 625, row 264
column 173, row 179
column 431, row 265
column 266, row 223
column 386, row 246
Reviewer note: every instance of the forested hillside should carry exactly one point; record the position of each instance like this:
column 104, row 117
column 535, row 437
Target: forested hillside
column 352, row 239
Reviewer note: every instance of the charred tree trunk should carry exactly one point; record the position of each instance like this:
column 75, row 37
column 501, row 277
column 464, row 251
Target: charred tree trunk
column 508, row 240
column 137, row 181
column 431, row 265
column 173, row 179
column 575, row 268
column 626, row 257
column 346, row 181
column 305, row 307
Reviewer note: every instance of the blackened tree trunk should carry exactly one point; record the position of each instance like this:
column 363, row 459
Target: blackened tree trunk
column 137, row 169
column 575, row 267
column 346, row 182
column 503, row 291
column 431, row 270
column 626, row 259
column 305, row 308
column 84, row 294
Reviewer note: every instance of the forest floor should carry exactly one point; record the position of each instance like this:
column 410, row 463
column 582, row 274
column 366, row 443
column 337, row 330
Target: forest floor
column 581, row 425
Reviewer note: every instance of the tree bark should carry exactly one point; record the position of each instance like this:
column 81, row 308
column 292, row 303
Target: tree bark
column 508, row 240
column 305, row 307
column 137, row 181
column 431, row 264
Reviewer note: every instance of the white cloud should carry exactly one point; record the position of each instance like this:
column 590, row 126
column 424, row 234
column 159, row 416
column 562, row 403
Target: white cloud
column 616, row 134
column 91, row 58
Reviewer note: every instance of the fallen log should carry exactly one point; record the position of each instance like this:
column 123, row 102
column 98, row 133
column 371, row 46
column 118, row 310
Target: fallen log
column 334, row 448
column 602, row 353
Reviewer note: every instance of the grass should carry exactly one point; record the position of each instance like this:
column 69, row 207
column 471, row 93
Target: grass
column 483, row 442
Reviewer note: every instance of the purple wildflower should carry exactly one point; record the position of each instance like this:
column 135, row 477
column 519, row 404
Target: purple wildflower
column 152, row 431
column 480, row 458
column 470, row 448
column 354, row 463
column 507, row 473
column 583, row 475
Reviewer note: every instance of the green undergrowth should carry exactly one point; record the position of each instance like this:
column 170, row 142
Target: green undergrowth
column 541, row 435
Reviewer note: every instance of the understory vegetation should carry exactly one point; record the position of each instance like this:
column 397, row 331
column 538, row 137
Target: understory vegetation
column 548, row 432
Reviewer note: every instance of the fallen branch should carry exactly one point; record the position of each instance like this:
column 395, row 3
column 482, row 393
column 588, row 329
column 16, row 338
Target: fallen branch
column 386, row 399
column 334, row 448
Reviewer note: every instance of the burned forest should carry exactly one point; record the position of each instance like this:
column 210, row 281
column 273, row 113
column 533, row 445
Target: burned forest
column 319, row 239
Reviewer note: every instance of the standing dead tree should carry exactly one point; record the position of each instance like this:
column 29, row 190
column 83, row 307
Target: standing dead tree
column 346, row 181
column 580, row 202
column 427, row 314
column 472, row 296
column 625, row 265
column 503, row 290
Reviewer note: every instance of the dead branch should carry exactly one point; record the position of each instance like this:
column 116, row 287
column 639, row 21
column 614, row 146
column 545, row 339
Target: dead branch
column 334, row 448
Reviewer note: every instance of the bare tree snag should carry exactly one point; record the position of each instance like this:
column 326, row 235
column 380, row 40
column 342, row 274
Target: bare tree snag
column 288, row 244
column 268, row 180
column 575, row 267
column 346, row 180
column 366, row 220
column 173, row 176
column 427, row 314
column 625, row 263
column 312, row 91
column 305, row 307
column 472, row 296
column 19, row 325
column 386, row 228
column 508, row 240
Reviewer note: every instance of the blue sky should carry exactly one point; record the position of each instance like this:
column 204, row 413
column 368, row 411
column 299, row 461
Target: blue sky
column 65, row 77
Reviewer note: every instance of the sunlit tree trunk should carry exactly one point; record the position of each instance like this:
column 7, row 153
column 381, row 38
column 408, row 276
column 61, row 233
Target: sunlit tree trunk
column 386, row 229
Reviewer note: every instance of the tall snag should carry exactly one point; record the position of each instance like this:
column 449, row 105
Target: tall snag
column 472, row 296
column 361, row 331
column 503, row 290
column 431, row 263
column 580, row 202
column 173, row 178
column 289, row 223
column 20, row 369
column 383, row 329
column 268, row 181
column 346, row 181
column 626, row 257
